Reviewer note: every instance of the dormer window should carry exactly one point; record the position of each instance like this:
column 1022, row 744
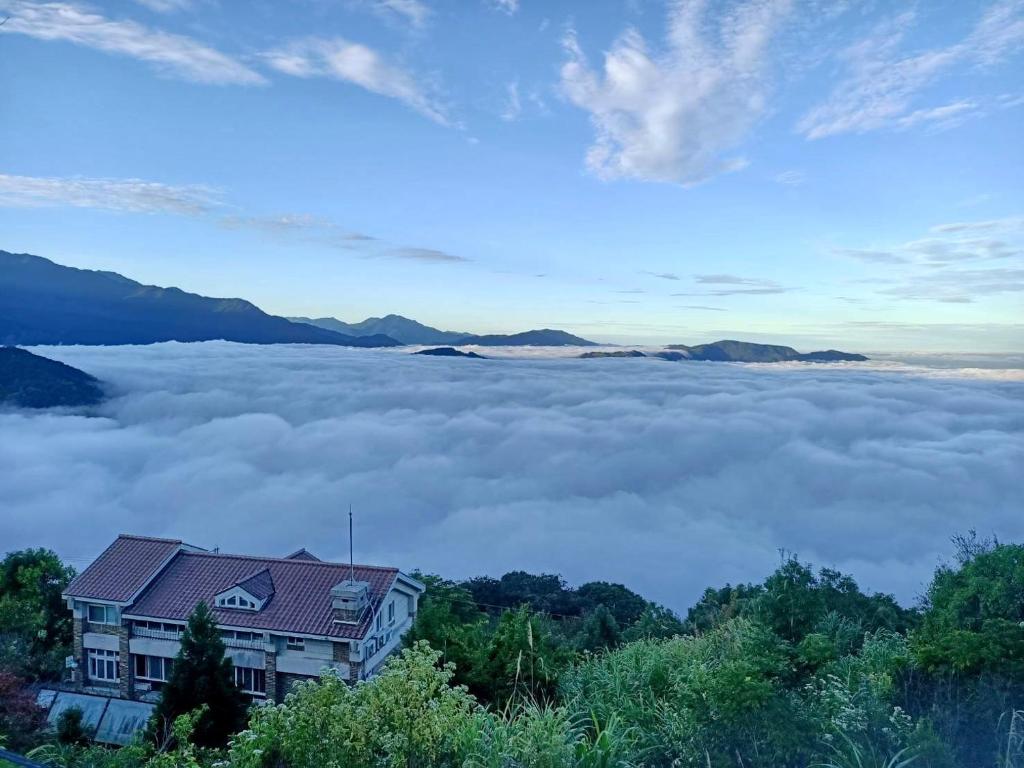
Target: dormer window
column 238, row 601
column 249, row 594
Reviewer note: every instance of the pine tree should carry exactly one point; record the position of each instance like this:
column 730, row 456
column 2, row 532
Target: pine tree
column 202, row 675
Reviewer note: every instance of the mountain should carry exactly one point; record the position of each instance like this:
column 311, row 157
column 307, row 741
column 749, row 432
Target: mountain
column 397, row 327
column 449, row 352
column 748, row 352
column 32, row 381
column 545, row 337
column 45, row 303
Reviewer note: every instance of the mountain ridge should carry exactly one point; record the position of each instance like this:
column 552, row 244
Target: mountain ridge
column 29, row 380
column 43, row 302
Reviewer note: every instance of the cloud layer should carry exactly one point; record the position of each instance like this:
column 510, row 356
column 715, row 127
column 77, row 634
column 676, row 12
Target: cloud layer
column 668, row 477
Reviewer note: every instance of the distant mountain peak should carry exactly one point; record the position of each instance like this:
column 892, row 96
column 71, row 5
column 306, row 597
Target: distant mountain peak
column 42, row 302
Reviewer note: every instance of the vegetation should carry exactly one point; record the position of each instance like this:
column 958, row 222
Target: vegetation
column 202, row 679
column 803, row 669
column 35, row 625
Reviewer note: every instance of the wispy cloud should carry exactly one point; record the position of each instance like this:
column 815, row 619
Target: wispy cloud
column 735, row 286
column 411, row 12
column 126, row 195
column 313, row 228
column 661, row 275
column 176, row 55
column 357, row 64
column 674, row 116
column 513, row 105
column 870, row 256
column 702, row 308
column 791, row 178
column 166, row 6
column 423, row 254
column 883, row 80
column 958, row 263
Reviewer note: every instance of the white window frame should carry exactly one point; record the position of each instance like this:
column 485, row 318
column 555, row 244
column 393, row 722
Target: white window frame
column 248, row 685
column 391, row 612
column 101, row 662
column 109, row 614
column 295, row 643
column 148, row 665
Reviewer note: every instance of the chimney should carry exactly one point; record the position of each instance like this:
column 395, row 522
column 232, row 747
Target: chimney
column 349, row 600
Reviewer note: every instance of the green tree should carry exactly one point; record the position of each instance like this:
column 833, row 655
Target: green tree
column 599, row 631
column 656, row 623
column 521, row 659
column 35, row 624
column 71, row 728
column 974, row 616
column 202, row 676
column 449, row 620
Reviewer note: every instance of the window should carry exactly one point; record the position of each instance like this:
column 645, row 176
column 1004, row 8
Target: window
column 295, row 644
column 153, row 668
column 102, row 614
column 252, row 681
column 391, row 611
column 237, row 601
column 103, row 665
column 379, row 620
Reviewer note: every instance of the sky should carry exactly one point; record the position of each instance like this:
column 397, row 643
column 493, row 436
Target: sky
column 667, row 477
column 841, row 174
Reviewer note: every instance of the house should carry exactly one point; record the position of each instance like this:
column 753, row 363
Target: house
column 282, row 619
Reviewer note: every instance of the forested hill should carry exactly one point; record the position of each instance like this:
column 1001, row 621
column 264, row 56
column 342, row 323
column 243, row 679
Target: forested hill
column 42, row 302
column 33, row 381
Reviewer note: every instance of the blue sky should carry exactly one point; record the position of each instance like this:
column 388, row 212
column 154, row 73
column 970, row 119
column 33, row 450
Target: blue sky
column 843, row 174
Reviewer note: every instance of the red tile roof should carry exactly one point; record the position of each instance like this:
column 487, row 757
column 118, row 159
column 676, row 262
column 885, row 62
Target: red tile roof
column 301, row 603
column 123, row 568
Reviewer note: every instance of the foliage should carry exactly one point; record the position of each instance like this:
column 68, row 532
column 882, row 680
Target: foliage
column 71, row 728
column 35, row 624
column 20, row 718
column 409, row 715
column 202, row 679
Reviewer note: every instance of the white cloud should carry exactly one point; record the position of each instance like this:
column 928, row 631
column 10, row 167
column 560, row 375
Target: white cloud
column 513, row 107
column 883, row 80
column 511, row 7
column 673, row 116
column 791, row 178
column 128, row 195
column 412, row 12
column 175, row 55
column 665, row 476
column 358, row 64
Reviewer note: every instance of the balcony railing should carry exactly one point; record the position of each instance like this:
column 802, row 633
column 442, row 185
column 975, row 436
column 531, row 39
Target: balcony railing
column 156, row 634
column 252, row 645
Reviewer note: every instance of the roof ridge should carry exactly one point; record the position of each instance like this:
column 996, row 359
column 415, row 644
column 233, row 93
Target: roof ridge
column 160, row 539
column 306, row 563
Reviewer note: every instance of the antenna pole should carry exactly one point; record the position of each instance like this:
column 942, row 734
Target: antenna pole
column 351, row 559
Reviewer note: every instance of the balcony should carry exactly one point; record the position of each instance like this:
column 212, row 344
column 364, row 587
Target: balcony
column 251, row 645
column 156, row 634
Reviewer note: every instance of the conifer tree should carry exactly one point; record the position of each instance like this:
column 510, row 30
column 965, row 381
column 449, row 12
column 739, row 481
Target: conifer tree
column 202, row 675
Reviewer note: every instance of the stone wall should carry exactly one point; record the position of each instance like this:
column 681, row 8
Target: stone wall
column 270, row 668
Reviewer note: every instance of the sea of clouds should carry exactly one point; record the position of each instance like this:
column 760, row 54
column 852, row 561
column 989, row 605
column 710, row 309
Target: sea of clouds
column 668, row 477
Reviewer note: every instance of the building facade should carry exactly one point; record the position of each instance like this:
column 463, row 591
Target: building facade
column 282, row 619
